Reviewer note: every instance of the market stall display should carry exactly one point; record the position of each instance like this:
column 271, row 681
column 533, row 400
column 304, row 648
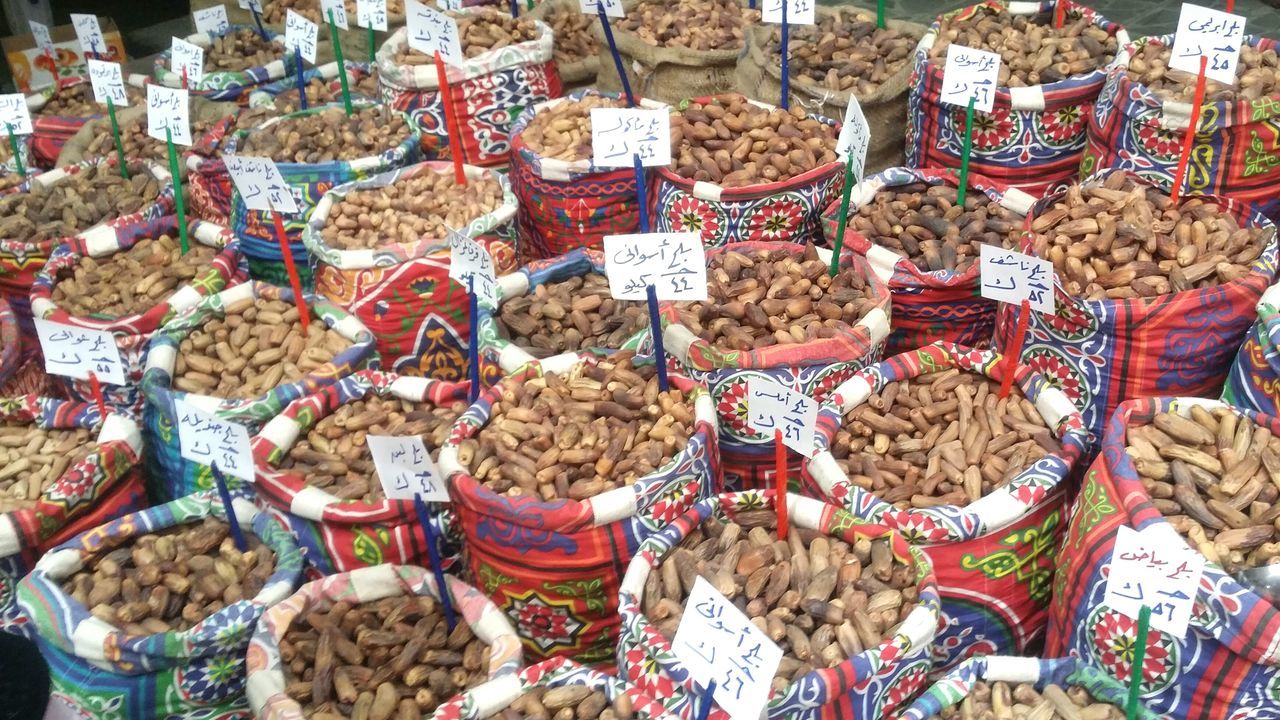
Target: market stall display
column 60, row 110
column 235, row 62
column 95, row 141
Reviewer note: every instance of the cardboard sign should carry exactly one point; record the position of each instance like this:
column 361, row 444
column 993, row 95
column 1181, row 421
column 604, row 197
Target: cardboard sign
column 40, row 32
column 855, row 137
column 612, row 8
column 618, row 135
column 431, row 31
column 169, row 108
column 1214, row 34
column 469, row 262
column 406, row 469
column 772, row 406
column 89, row 33
column 108, row 82
column 75, row 352
column 1164, row 575
column 970, row 73
column 799, row 12
column 15, row 117
column 339, row 10
column 260, row 183
column 205, row 440
column 1011, row 277
column 372, row 13
column 675, row 264
column 212, row 20
column 187, row 56
column 302, row 34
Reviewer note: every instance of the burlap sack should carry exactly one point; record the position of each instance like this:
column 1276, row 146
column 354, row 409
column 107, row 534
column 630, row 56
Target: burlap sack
column 355, row 41
column 204, row 113
column 579, row 73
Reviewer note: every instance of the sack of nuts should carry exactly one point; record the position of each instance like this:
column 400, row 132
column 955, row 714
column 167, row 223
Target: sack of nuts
column 555, row 689
column 1050, row 77
column 355, row 41
column 742, row 170
column 60, row 110
column 95, row 140
column 1254, row 380
column 1142, row 113
column 374, row 643
column 566, row 201
column 1023, row 687
column 1149, row 298
column 208, row 185
column 853, row 607
column 153, row 611
column 241, row 353
column 129, row 285
column 774, row 310
column 235, row 63
column 906, row 223
column 321, row 87
column 844, row 54
column 316, row 150
column 922, row 444
column 573, row 469
column 315, row 470
column 1195, row 474
column 64, row 471
column 381, row 251
column 561, row 305
column 576, row 51
column 509, row 66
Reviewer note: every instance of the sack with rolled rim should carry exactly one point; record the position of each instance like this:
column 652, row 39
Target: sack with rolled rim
column 226, row 85
column 987, row 607
column 203, row 113
column 554, row 566
column 1254, row 380
column 208, row 183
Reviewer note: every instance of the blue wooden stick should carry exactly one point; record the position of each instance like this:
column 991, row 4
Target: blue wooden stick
column 659, row 355
column 236, row 534
column 617, row 59
column 705, row 707
column 515, row 8
column 786, row 74
column 641, row 191
column 302, row 86
column 474, row 338
column 257, row 19
column 424, row 519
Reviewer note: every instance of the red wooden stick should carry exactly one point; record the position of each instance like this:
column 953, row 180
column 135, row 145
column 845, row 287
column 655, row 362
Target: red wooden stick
column 1059, row 14
column 1011, row 353
column 780, row 475
column 184, row 77
column 450, row 121
column 1190, row 139
column 294, row 281
column 1231, row 5
column 96, row 387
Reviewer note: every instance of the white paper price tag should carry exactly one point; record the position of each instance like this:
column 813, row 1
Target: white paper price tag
column 855, row 137
column 970, row 73
column 675, row 264
column 772, row 406
column 1012, row 277
column 619, row 135
column 302, row 34
column 1212, row 33
column 212, row 20
column 260, row 183
column 187, row 56
column 15, row 117
column 89, row 34
column 40, row 32
column 1163, row 575
column 339, row 10
column 75, row 352
column 206, row 440
column 108, row 82
column 799, row 12
column 449, row 5
column 431, row 31
column 406, row 469
column 470, row 262
column 612, row 8
column 254, row 5
column 717, row 642
column 372, row 13
column 168, row 108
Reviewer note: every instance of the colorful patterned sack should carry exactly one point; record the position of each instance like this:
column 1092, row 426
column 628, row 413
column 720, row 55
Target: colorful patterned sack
column 107, row 673
column 956, row 685
column 173, row 476
column 567, row 205
column 308, row 182
column 355, row 41
column 266, row 686
column 1234, row 154
column 103, row 486
column 203, row 113
column 489, row 92
column 226, row 84
column 868, row 686
column 10, row 342
column 133, row 332
column 784, row 211
column 1254, row 381
column 994, row 558
column 1226, row 665
column 402, row 291
column 1032, row 139
column 266, row 95
column 1102, row 352
column 814, row 369
column 208, row 183
column 338, row 535
column 554, row 566
column 927, row 305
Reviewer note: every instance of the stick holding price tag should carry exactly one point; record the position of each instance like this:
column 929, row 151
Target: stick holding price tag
column 108, row 88
column 300, row 36
column 1019, row 279
column 336, row 12
column 969, row 80
column 372, row 14
column 787, row 13
column 40, row 33
column 220, row 445
column 81, row 354
column 435, row 34
column 793, row 419
column 471, row 265
column 255, row 7
column 854, row 140
column 605, row 9
column 635, row 138
column 169, row 119
column 17, row 121
column 187, row 59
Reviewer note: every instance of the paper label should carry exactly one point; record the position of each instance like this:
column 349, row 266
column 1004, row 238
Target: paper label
column 372, row 13
column 206, row 440
column 89, row 34
column 212, row 20
column 168, row 108
column 855, row 137
column 260, row 184
column 1214, row 34
column 612, row 8
column 188, row 56
column 1164, row 576
column 470, row 262
column 14, row 115
column 431, row 31
column 40, row 32
column 339, row 10
column 970, row 73
column 1011, row 277
column 675, row 264
column 772, row 406
column 75, row 352
column 302, row 34
column 799, row 12
column 108, row 82
column 618, row 135
column 406, row 469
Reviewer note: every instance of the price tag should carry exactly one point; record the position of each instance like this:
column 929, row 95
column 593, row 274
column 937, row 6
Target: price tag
column 970, row 73
column 431, row 32
column 449, row 5
column 799, row 12
column 339, row 9
column 168, row 108
column 300, row 33
column 406, row 469
column 204, row 439
column 212, row 20
column 40, row 32
column 675, row 264
column 108, row 82
column 772, row 406
column 1212, row 33
column 1163, row 575
column 14, row 115
column 618, row 135
column 855, row 136
column 372, row 13
column 89, row 34
column 469, row 259
column 260, row 183
column 612, row 8
column 75, row 352
column 1012, row 277
column 189, row 56
column 716, row 641
column 254, row 5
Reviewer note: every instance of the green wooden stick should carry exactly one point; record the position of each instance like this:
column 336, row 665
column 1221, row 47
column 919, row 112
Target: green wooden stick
column 17, row 156
column 342, row 64
column 880, row 14
column 1139, row 657
column 373, row 49
column 177, row 190
column 844, row 215
column 964, row 157
column 115, row 133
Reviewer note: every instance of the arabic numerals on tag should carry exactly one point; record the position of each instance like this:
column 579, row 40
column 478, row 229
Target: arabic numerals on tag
column 212, row 20
column 338, row 10
column 372, row 13
column 14, row 113
column 208, row 440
